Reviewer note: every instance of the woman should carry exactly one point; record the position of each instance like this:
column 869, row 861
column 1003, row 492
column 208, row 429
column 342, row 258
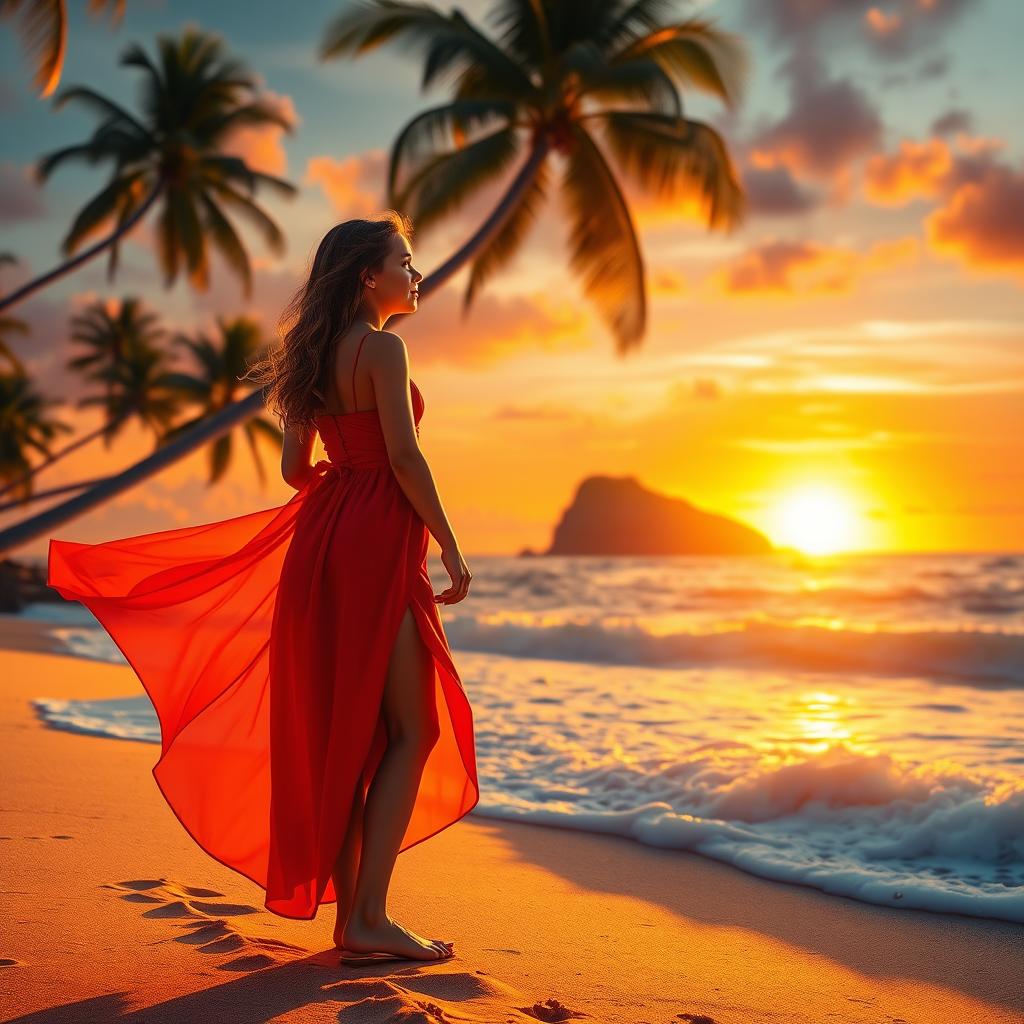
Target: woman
column 313, row 724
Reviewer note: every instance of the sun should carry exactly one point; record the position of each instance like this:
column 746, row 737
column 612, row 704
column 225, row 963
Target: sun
column 817, row 519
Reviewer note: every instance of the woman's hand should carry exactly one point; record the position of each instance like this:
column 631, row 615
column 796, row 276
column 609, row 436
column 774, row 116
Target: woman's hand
column 453, row 561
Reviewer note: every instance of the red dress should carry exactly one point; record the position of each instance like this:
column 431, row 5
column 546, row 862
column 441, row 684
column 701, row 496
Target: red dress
column 263, row 643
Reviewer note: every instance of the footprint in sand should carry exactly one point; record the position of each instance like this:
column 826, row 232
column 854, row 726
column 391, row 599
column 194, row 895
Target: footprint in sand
column 428, row 994
column 550, row 1010
column 195, row 910
column 179, row 900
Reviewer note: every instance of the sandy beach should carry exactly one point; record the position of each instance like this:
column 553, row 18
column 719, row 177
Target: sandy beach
column 111, row 912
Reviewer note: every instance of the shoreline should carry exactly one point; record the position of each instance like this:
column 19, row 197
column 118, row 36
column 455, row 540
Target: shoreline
column 112, row 908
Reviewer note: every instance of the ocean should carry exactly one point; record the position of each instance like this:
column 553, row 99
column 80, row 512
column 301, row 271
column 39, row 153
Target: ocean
column 852, row 723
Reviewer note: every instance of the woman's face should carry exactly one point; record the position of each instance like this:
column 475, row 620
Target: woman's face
column 396, row 282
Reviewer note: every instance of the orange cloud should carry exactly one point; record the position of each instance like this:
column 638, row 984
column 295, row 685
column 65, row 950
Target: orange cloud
column 892, row 252
column 928, row 169
column 788, row 268
column 980, row 220
column 354, row 185
column 262, row 148
column 830, row 123
column 497, row 327
column 881, row 24
column 918, row 169
column 903, row 28
column 982, row 224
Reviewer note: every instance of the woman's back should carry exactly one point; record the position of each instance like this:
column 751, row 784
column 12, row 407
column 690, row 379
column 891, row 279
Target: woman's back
column 344, row 366
column 351, row 428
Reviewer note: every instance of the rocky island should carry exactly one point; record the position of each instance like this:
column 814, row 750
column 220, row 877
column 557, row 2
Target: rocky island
column 619, row 516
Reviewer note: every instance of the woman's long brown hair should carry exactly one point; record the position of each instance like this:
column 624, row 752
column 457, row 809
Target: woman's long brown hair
column 292, row 374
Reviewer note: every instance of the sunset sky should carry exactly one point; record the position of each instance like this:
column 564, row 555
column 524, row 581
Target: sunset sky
column 852, row 355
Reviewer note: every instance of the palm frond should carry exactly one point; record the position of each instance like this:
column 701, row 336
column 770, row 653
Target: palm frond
column 449, row 43
column 626, row 21
column 91, row 219
column 205, row 353
column 191, row 237
column 443, row 126
column 220, row 457
column 44, row 31
column 447, row 180
column 256, row 114
column 523, row 31
column 225, row 238
column 698, row 54
column 675, row 156
column 640, row 79
column 87, row 151
column 268, row 429
column 272, row 234
column 603, row 242
column 102, row 105
column 250, row 436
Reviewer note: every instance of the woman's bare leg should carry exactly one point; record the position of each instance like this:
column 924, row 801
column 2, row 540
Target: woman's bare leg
column 347, row 864
column 411, row 719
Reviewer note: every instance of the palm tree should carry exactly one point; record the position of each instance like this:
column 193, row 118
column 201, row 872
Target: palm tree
column 193, row 98
column 106, row 329
column 559, row 72
column 44, row 30
column 127, row 359
column 554, row 64
column 139, row 384
column 122, row 341
column 222, row 365
column 25, row 424
column 12, row 325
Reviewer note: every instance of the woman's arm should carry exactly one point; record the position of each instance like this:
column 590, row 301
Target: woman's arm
column 295, row 465
column 389, row 372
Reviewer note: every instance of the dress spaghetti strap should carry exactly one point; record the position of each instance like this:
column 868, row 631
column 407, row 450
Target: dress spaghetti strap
column 355, row 401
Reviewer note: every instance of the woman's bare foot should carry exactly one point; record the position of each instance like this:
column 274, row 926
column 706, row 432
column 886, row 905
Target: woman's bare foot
column 339, row 936
column 388, row 936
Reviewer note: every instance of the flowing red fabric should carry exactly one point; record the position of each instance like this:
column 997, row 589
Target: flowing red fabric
column 263, row 642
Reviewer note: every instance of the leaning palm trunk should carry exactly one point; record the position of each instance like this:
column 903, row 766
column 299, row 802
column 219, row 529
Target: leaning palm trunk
column 238, row 412
column 52, row 492
column 122, row 229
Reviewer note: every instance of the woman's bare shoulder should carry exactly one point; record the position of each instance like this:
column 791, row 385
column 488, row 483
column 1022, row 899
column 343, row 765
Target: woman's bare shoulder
column 389, row 350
